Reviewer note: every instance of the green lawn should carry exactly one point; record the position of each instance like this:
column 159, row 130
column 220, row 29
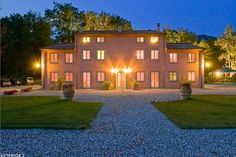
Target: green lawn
column 202, row 111
column 46, row 112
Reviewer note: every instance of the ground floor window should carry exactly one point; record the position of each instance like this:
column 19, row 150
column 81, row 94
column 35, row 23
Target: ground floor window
column 68, row 76
column 140, row 76
column 154, row 79
column 191, row 76
column 53, row 76
column 86, row 80
column 100, row 76
column 173, row 76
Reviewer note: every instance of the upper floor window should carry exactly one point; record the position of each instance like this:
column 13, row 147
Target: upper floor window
column 140, row 39
column 100, row 54
column 173, row 57
column 140, row 76
column 53, row 57
column 86, row 39
column 68, row 76
column 173, row 76
column 69, row 58
column 100, row 39
column 53, row 76
column 86, row 54
column 191, row 76
column 154, row 54
column 140, row 54
column 154, row 39
column 191, row 57
column 100, row 76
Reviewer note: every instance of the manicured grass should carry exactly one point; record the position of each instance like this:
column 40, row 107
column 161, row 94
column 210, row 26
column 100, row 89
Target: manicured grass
column 202, row 111
column 46, row 112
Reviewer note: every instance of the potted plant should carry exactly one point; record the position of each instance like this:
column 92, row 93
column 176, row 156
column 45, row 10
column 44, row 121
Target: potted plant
column 68, row 91
column 107, row 85
column 135, row 85
column 185, row 88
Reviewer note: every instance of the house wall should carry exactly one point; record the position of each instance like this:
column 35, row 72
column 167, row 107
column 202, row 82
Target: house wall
column 120, row 52
column 61, row 67
column 182, row 67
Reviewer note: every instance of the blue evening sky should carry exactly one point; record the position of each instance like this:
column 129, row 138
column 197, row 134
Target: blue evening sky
column 200, row 16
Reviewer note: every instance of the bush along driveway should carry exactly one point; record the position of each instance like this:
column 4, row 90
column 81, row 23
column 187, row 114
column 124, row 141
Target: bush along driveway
column 126, row 125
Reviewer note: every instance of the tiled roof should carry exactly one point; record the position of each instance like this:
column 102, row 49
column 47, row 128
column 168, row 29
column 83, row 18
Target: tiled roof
column 121, row 32
column 60, row 46
column 169, row 46
column 182, row 46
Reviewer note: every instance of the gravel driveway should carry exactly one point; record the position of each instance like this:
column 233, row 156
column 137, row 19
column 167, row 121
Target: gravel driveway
column 127, row 125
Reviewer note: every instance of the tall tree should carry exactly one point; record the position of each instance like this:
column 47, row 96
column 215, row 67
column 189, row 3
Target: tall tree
column 211, row 54
column 64, row 19
column 180, row 36
column 105, row 21
column 228, row 44
column 22, row 37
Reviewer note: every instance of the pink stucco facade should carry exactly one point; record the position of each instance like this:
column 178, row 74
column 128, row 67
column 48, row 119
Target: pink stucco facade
column 120, row 50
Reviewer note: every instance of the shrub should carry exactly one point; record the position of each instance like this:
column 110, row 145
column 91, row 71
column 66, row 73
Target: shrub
column 58, row 85
column 185, row 82
column 107, row 85
column 135, row 85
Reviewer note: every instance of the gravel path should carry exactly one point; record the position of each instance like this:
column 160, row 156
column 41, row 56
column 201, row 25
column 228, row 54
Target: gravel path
column 127, row 125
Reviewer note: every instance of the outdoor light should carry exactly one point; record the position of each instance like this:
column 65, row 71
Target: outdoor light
column 127, row 70
column 114, row 70
column 208, row 64
column 37, row 65
column 218, row 74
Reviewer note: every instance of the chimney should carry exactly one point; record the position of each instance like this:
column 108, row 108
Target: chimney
column 119, row 28
column 158, row 27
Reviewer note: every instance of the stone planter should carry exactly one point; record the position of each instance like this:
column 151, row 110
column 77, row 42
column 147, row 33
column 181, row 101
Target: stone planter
column 186, row 91
column 68, row 91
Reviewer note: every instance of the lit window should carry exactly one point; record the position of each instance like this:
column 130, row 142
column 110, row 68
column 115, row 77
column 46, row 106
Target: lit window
column 100, row 76
column 140, row 39
column 191, row 76
column 154, row 79
column 173, row 76
column 53, row 76
column 154, row 39
column 140, row 76
column 53, row 58
column 173, row 57
column 154, row 54
column 191, row 57
column 100, row 39
column 86, row 39
column 69, row 57
column 100, row 54
column 86, row 79
column 140, row 54
column 86, row 54
column 69, row 76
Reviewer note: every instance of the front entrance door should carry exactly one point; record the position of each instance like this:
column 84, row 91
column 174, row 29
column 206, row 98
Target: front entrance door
column 121, row 80
column 154, row 79
column 86, row 80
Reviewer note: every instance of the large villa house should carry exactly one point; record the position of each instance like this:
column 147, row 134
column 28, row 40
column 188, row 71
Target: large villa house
column 122, row 56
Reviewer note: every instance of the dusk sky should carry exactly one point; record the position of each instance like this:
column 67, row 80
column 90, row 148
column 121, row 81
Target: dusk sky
column 200, row 16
